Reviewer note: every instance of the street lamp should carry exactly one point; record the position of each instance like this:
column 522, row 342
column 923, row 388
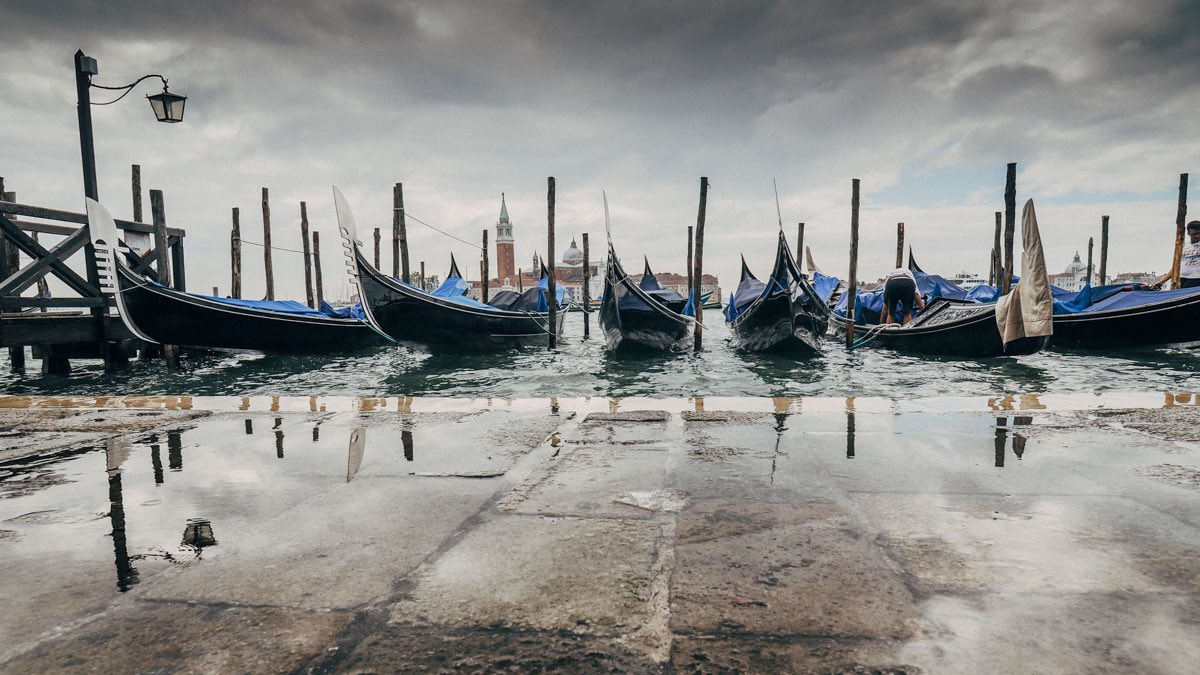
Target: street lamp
column 167, row 107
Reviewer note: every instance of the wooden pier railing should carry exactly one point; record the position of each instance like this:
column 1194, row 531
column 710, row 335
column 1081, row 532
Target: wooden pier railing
column 56, row 332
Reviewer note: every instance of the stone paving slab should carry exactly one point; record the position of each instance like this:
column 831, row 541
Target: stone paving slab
column 573, row 574
column 179, row 638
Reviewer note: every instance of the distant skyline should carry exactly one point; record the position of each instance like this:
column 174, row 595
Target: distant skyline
column 925, row 103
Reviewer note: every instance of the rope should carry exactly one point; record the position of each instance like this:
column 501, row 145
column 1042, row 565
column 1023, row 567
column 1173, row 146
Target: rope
column 870, row 335
column 409, row 215
column 273, row 247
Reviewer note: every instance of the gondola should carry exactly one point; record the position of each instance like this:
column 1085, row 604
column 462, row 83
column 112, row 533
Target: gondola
column 783, row 314
column 1016, row 325
column 1113, row 316
column 444, row 319
column 158, row 314
column 642, row 316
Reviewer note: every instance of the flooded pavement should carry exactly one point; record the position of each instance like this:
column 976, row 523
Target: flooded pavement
column 315, row 534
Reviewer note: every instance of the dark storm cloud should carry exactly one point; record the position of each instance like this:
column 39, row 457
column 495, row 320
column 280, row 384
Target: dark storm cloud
column 464, row 100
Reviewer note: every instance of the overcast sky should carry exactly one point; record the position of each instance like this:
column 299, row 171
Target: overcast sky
column 1097, row 101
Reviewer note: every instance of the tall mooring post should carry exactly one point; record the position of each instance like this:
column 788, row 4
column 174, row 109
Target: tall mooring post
column 998, row 258
column 899, row 245
column 1180, row 219
column 852, row 282
column 320, row 287
column 399, row 235
column 800, row 247
column 1091, row 241
column 698, row 274
column 308, row 282
column 485, row 273
column 159, row 219
column 235, row 256
column 1010, row 223
column 691, row 281
column 552, row 329
column 1103, row 249
column 377, row 236
column 270, row 271
column 423, row 276
column 587, row 287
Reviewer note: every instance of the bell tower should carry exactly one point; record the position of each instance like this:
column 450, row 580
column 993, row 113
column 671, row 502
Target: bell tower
column 505, row 262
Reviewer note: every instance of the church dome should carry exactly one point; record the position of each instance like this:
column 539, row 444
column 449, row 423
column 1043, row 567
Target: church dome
column 1076, row 266
column 572, row 256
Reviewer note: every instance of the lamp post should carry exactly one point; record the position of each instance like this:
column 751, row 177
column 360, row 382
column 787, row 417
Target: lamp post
column 167, row 108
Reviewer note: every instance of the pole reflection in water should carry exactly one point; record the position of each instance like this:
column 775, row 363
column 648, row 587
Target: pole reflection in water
column 198, row 535
column 116, row 452
column 156, row 460
column 316, row 432
column 175, row 450
column 849, row 434
column 354, row 458
column 780, row 418
column 1002, row 436
column 407, row 440
column 278, row 437
column 249, row 427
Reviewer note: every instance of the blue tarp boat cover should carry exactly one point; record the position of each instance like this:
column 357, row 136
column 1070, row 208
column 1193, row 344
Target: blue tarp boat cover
column 354, row 311
column 279, row 306
column 824, row 286
column 1114, row 296
column 654, row 289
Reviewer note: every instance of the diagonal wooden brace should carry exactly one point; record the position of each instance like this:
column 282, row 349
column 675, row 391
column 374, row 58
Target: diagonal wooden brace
column 45, row 261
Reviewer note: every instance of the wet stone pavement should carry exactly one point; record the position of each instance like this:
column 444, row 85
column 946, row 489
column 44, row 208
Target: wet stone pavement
column 380, row 535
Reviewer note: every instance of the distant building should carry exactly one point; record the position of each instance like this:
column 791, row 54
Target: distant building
column 1133, row 278
column 1075, row 277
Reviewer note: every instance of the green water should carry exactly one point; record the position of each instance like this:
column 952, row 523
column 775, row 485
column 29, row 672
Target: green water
column 584, row 368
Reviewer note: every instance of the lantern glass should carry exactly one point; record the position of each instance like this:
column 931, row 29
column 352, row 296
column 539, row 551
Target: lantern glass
column 167, row 107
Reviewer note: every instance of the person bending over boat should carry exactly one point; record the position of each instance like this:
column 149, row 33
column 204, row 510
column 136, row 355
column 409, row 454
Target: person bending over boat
column 1189, row 261
column 900, row 288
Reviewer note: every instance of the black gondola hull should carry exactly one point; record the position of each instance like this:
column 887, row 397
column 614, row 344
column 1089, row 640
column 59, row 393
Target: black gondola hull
column 975, row 337
column 779, row 323
column 1173, row 322
column 170, row 317
column 409, row 316
column 640, row 329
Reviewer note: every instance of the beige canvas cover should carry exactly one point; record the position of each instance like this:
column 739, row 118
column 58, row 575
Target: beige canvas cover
column 1027, row 311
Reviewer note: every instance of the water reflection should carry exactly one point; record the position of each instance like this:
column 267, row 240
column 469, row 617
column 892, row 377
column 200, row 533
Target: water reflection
column 175, row 450
column 850, row 433
column 406, row 440
column 116, row 452
column 1003, row 435
column 354, row 456
column 198, row 535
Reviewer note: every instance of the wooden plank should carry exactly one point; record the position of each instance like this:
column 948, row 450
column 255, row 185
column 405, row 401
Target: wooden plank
column 49, row 329
column 80, row 218
column 19, row 302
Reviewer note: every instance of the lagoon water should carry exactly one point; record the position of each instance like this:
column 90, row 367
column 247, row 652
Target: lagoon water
column 584, row 368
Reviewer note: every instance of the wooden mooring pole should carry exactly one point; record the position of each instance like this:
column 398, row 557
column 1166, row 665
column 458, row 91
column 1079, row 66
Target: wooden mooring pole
column 800, row 247
column 483, row 280
column 899, row 244
column 1180, row 219
column 399, row 235
column 587, row 287
column 698, row 275
column 1010, row 223
column 316, row 241
column 552, row 329
column 235, row 256
column 1091, row 241
column 8, row 251
column 308, row 282
column 270, row 272
column 158, row 217
column 423, row 276
column 691, row 282
column 136, row 185
column 1103, row 249
column 852, row 282
column 377, row 248
column 998, row 260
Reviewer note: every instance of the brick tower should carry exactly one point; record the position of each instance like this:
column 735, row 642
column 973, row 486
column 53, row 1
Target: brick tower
column 505, row 262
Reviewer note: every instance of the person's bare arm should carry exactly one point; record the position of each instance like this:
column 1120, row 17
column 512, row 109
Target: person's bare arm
column 920, row 300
